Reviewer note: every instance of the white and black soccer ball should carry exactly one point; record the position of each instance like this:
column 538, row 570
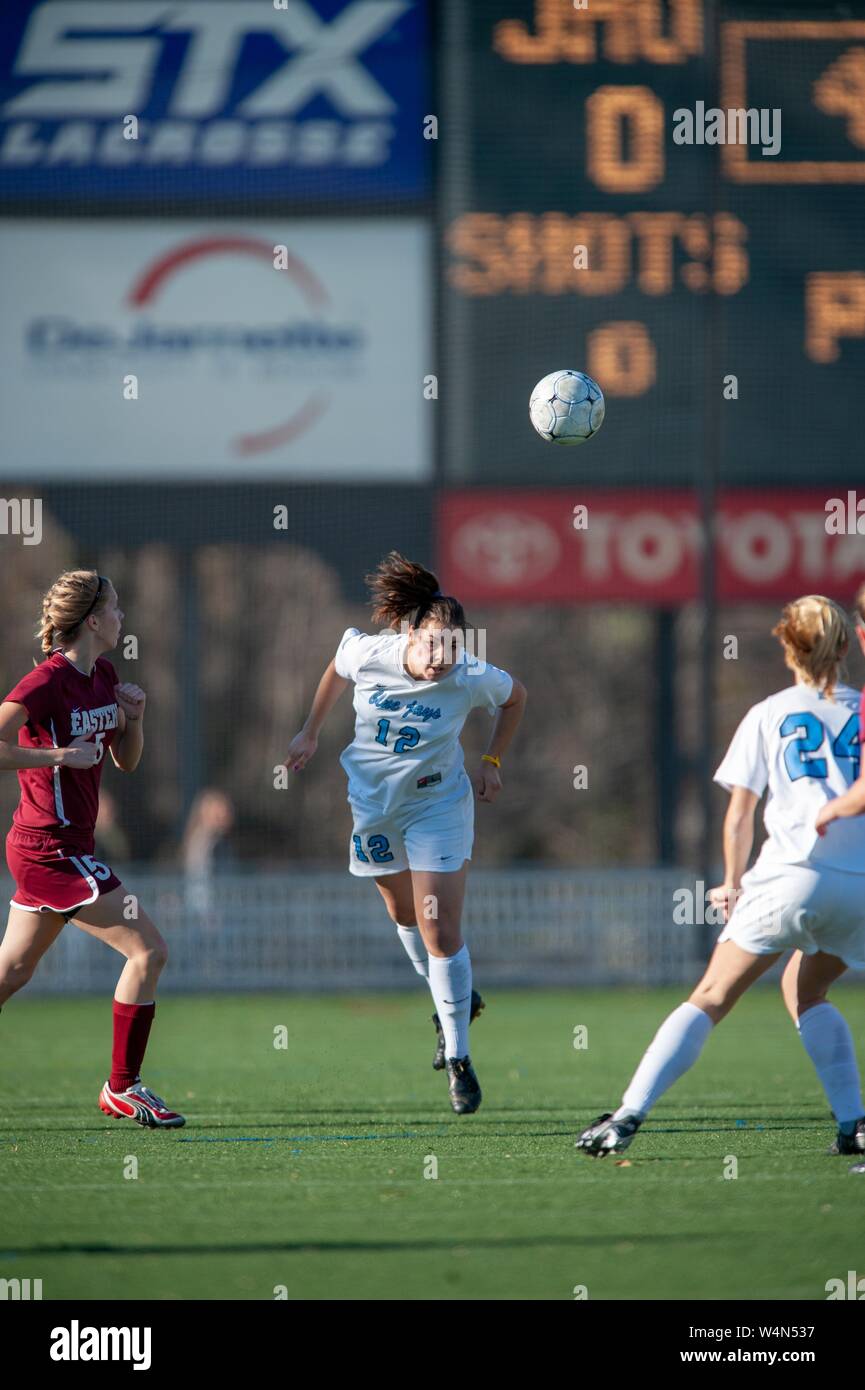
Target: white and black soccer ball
column 567, row 407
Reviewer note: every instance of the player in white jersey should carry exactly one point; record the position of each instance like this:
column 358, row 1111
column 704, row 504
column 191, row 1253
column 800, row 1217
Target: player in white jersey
column 806, row 890
column 852, row 803
column 410, row 795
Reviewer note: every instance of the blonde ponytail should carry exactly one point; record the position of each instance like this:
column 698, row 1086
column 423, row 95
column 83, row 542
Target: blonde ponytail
column 815, row 633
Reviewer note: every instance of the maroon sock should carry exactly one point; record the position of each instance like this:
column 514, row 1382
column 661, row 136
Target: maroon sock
column 131, row 1031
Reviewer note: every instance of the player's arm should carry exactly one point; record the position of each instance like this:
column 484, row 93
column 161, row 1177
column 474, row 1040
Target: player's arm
column 852, row 803
column 304, row 744
column 738, row 843
column 127, row 748
column 505, row 724
column 78, row 754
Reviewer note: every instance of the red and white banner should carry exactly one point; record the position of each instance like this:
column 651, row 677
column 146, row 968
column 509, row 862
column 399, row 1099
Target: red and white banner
column 154, row 349
column 582, row 545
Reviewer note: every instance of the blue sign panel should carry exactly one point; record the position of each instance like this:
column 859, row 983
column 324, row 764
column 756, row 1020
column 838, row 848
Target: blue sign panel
column 161, row 101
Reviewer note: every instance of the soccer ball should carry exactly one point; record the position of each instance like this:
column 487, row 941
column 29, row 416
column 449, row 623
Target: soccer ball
column 567, row 407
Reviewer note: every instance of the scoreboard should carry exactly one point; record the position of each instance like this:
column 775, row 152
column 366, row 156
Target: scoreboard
column 670, row 196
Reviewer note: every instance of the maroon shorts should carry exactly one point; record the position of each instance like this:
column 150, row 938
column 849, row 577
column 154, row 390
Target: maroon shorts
column 52, row 879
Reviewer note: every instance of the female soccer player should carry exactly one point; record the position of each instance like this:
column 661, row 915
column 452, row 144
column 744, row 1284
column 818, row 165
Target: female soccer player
column 805, row 891
column 55, row 726
column 410, row 796
column 852, row 803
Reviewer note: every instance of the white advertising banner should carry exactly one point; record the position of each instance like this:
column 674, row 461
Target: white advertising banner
column 189, row 349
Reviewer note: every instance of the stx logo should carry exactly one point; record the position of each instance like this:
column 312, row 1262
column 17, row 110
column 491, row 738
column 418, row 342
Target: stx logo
column 98, row 58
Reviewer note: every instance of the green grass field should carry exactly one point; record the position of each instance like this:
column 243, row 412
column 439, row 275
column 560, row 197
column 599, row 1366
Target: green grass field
column 327, row 1195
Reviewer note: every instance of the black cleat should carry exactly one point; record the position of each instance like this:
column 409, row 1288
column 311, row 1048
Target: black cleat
column 465, row 1091
column 607, row 1136
column 849, row 1143
column 478, row 1006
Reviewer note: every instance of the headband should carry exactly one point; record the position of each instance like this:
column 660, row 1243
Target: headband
column 95, row 601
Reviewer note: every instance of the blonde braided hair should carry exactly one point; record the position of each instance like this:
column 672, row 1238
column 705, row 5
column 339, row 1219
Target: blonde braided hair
column 65, row 606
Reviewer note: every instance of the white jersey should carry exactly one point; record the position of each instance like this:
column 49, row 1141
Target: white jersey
column 805, row 749
column 406, row 745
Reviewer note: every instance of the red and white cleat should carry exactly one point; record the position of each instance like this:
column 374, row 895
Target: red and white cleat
column 141, row 1105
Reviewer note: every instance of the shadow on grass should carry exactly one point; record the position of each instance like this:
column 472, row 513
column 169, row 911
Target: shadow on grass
column 344, row 1247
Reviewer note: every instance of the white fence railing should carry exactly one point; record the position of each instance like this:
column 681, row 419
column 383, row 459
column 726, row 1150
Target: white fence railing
column 306, row 930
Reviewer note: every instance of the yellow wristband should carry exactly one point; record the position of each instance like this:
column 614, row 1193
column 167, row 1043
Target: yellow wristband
column 491, row 758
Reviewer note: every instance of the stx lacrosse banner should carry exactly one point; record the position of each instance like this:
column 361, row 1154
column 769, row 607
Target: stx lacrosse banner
column 583, row 545
column 172, row 100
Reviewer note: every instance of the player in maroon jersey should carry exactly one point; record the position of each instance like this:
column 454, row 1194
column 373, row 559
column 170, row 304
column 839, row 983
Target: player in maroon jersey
column 55, row 727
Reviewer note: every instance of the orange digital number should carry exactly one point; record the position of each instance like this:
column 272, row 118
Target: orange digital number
column 609, row 110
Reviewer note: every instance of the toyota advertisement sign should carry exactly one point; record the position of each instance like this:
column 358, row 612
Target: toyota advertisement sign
column 583, row 545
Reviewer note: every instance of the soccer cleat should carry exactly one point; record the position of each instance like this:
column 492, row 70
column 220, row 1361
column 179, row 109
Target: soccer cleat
column 849, row 1143
column 463, row 1085
column 478, row 1006
column 138, row 1103
column 607, row 1136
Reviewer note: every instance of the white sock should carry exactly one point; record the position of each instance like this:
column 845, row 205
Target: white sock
column 414, row 949
column 829, row 1043
column 674, row 1048
column 450, row 979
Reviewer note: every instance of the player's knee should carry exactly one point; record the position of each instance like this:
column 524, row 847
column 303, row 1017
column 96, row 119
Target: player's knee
column 401, row 914
column 714, row 997
column 444, row 942
column 154, row 957
column 15, row 975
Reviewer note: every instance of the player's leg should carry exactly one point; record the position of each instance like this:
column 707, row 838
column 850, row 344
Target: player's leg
column 438, row 841
column 438, row 907
column 27, row 937
column 137, row 939
column 806, row 980
column 377, row 852
column 396, row 890
column 145, row 952
column 398, row 895
column 680, row 1038
column 438, row 901
column 677, row 1044
column 828, row 1041
column 731, row 971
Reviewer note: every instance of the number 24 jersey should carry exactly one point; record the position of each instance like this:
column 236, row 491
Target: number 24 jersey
column 803, row 748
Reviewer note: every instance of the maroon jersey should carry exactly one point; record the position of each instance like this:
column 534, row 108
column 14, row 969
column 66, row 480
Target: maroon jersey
column 63, row 704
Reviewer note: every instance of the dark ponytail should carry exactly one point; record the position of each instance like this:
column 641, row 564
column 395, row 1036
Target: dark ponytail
column 401, row 589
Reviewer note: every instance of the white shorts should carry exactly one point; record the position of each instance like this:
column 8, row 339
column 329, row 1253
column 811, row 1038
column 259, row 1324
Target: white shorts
column 426, row 836
column 802, row 907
